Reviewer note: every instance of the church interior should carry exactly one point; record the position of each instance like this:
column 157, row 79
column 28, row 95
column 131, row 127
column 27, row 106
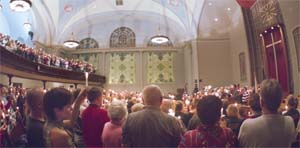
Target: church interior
column 78, row 73
column 209, row 42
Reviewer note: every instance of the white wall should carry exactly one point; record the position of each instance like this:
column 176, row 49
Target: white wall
column 291, row 15
column 215, row 66
column 238, row 44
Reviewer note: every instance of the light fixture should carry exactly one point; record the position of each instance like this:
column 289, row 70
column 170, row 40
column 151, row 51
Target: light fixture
column 20, row 5
column 210, row 3
column 216, row 19
column 71, row 43
column 159, row 39
column 27, row 26
column 228, row 9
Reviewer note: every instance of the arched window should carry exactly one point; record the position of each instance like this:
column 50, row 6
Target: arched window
column 296, row 34
column 122, row 37
column 88, row 43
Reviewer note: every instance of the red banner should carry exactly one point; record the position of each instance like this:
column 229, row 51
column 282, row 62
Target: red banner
column 246, row 3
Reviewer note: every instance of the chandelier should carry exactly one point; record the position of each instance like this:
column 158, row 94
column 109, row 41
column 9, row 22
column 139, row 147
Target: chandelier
column 71, row 43
column 159, row 39
column 20, row 5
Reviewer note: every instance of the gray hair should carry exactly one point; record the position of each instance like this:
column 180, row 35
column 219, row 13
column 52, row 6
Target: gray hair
column 117, row 111
column 271, row 94
column 152, row 95
column 137, row 107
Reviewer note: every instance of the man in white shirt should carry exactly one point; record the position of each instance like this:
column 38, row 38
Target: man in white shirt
column 271, row 129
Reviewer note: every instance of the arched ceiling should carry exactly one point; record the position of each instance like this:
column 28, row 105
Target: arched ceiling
column 181, row 20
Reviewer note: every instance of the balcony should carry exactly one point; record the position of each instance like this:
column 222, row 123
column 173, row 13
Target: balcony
column 17, row 66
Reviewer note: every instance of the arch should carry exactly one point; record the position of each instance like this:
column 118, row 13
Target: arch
column 296, row 34
column 88, row 43
column 122, row 37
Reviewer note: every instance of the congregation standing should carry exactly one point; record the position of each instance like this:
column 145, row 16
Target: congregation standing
column 92, row 117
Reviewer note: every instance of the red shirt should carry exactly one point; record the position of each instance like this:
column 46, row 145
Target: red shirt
column 205, row 136
column 93, row 120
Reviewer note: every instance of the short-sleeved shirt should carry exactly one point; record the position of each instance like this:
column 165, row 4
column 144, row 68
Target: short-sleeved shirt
column 151, row 128
column 93, row 120
column 209, row 136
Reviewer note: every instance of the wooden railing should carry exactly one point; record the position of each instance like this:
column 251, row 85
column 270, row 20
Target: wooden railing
column 15, row 65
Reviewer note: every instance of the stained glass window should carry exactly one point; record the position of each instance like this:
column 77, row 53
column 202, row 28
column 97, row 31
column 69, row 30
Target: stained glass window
column 91, row 58
column 122, row 68
column 160, row 67
column 122, row 37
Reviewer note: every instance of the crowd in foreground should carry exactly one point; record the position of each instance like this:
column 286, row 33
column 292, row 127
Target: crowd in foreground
column 222, row 117
column 40, row 56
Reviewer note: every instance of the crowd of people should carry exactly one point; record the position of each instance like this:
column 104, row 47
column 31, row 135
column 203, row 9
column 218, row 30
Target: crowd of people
column 231, row 116
column 40, row 56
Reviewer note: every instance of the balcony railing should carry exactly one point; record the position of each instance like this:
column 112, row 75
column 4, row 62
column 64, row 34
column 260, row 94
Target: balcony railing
column 14, row 65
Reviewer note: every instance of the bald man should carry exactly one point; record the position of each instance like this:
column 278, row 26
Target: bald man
column 35, row 120
column 151, row 127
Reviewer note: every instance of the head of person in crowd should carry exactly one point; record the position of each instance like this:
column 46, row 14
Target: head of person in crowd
column 94, row 95
column 271, row 96
column 152, row 95
column 178, row 106
column 292, row 102
column 243, row 112
column 137, row 107
column 117, row 112
column 3, row 90
column 254, row 102
column 57, row 104
column 34, row 102
column 209, row 109
column 232, row 111
column 166, row 105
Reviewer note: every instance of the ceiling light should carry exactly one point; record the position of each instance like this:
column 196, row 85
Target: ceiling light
column 210, row 3
column 216, row 19
column 71, row 43
column 27, row 26
column 20, row 5
column 266, row 31
column 272, row 27
column 228, row 9
column 159, row 39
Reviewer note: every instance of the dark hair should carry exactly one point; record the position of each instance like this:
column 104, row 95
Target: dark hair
column 93, row 94
column 178, row 106
column 56, row 98
column 271, row 94
column 209, row 109
column 254, row 102
column 293, row 102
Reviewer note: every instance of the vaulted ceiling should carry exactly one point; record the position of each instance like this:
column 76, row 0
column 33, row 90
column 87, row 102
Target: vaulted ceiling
column 181, row 20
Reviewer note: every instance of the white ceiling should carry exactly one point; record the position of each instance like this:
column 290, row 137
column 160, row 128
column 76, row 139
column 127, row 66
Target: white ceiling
column 181, row 20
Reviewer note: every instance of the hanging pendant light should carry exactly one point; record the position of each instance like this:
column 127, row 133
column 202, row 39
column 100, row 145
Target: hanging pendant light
column 71, row 43
column 1, row 6
column 159, row 39
column 20, row 5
